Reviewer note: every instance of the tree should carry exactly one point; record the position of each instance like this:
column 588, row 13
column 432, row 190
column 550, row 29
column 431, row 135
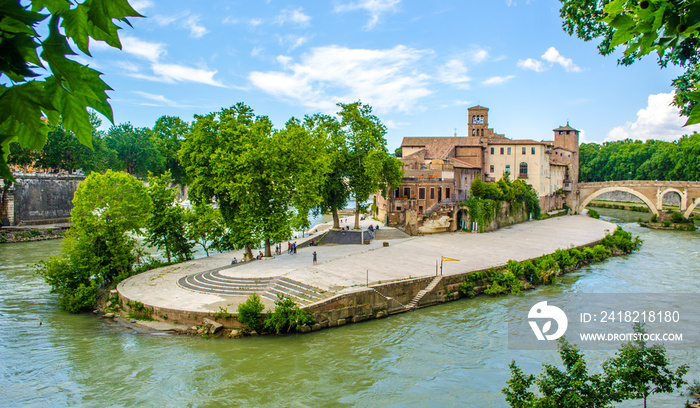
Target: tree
column 639, row 370
column 99, row 249
column 169, row 133
column 63, row 151
column 166, row 226
column 136, row 149
column 263, row 182
column 205, row 226
column 370, row 167
column 335, row 191
column 667, row 28
column 573, row 387
column 33, row 97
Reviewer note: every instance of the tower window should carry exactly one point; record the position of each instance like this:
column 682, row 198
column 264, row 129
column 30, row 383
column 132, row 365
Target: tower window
column 491, row 170
column 524, row 150
column 502, row 150
column 533, row 150
column 492, row 150
column 432, row 193
column 421, row 194
column 509, row 149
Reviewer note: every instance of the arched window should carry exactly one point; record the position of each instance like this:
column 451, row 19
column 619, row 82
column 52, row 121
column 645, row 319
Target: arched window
column 523, row 170
column 472, row 132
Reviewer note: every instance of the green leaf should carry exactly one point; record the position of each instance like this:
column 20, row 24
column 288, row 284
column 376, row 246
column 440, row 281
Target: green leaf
column 24, row 103
column 75, row 22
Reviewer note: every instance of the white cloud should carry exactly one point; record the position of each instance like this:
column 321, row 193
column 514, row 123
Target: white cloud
column 293, row 16
column 257, row 50
column 386, row 79
column 255, row 22
column 140, row 5
column 531, row 64
column 181, row 73
column 553, row 56
column 375, row 8
column 478, row 55
column 293, row 41
column 497, row 80
column 659, row 120
column 159, row 99
column 454, row 72
column 185, row 20
column 144, row 49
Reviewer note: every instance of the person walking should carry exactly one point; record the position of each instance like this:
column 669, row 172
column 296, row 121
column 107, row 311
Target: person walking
column 289, row 247
column 294, row 247
column 314, row 257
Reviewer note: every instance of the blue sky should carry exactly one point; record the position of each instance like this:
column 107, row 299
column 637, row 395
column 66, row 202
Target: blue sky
column 419, row 64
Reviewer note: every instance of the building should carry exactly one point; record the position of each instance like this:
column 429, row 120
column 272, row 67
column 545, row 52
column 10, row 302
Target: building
column 440, row 170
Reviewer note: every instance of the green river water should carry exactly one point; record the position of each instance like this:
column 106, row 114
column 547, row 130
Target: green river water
column 455, row 354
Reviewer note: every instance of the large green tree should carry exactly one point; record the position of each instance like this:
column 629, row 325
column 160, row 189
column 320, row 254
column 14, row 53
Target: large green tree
column 370, row 166
column 99, row 249
column 335, row 190
column 205, row 226
column 39, row 83
column 668, row 29
column 264, row 181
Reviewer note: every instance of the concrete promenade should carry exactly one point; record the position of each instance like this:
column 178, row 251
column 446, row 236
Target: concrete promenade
column 340, row 268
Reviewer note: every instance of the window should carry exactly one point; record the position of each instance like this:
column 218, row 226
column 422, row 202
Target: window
column 421, row 194
column 491, row 170
column 447, row 193
column 492, row 150
column 398, row 208
column 501, row 150
column 523, row 170
column 533, row 150
column 524, row 150
column 407, row 192
column 432, row 193
column 396, row 193
column 508, row 168
column 509, row 149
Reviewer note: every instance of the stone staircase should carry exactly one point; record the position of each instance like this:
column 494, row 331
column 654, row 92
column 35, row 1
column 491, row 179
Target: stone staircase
column 413, row 304
column 213, row 282
column 386, row 234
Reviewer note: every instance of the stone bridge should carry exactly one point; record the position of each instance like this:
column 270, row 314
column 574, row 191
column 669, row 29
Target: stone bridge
column 651, row 192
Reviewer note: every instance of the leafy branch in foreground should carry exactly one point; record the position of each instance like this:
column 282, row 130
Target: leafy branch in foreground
column 39, row 84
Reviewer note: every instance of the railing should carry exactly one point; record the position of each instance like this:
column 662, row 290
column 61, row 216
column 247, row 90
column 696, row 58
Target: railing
column 522, row 175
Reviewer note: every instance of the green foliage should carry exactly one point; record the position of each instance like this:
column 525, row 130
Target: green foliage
column 486, row 196
column 588, row 254
column 654, row 218
column 33, row 98
column 600, row 252
column 638, row 160
column 639, row 370
column 668, row 29
column 593, row 214
column 168, row 135
column 139, row 311
column 481, row 210
column 223, row 313
column 370, row 166
column 564, row 259
column 250, row 312
column 622, row 241
column 286, row 316
column 571, row 387
column 205, row 226
column 235, row 157
column 136, row 149
column 166, row 227
column 98, row 250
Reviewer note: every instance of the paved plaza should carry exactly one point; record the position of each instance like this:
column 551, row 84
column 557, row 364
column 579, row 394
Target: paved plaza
column 205, row 284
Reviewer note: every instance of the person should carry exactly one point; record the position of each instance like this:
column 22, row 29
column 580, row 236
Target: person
column 314, row 257
column 371, row 228
column 377, row 226
column 260, row 255
column 235, row 261
column 294, row 247
column 289, row 247
column 313, row 243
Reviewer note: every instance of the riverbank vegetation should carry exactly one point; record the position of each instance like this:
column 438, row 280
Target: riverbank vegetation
column 640, row 160
column 636, row 372
column 517, row 276
column 285, row 317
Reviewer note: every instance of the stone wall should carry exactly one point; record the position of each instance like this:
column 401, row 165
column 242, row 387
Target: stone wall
column 43, row 198
column 669, row 198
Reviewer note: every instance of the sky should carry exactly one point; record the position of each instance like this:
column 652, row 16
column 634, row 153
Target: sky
column 419, row 64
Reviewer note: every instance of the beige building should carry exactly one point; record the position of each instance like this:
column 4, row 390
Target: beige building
column 441, row 169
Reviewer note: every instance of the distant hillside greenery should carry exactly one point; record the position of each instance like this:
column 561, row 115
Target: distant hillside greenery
column 637, row 160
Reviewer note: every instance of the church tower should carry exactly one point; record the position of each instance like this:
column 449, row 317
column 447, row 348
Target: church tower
column 478, row 120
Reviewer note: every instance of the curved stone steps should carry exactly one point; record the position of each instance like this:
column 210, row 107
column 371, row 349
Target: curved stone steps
column 214, row 282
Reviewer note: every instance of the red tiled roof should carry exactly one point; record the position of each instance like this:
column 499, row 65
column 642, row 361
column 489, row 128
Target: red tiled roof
column 462, row 164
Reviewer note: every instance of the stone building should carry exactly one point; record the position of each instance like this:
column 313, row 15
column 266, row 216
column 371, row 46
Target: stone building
column 440, row 170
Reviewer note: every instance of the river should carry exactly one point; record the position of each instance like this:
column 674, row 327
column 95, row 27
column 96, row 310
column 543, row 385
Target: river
column 455, row 354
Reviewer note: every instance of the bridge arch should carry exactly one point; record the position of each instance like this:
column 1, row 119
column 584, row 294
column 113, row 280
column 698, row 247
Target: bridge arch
column 604, row 190
column 682, row 195
column 689, row 212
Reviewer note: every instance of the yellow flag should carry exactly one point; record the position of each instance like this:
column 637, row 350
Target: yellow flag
column 444, row 258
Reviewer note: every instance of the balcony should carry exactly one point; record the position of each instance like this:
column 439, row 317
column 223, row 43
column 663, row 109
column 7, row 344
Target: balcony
column 567, row 185
column 522, row 175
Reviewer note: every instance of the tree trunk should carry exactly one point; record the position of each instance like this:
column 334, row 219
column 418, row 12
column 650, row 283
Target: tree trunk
column 336, row 219
column 248, row 253
column 357, row 214
column 268, row 253
column 167, row 251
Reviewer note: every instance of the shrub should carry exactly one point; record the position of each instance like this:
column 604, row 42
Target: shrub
column 654, row 218
column 588, row 254
column 286, row 316
column 564, row 259
column 600, row 252
column 222, row 313
column 516, row 268
column 467, row 287
column 250, row 312
column 576, row 255
column 529, row 270
column 496, row 289
column 593, row 214
column 621, row 240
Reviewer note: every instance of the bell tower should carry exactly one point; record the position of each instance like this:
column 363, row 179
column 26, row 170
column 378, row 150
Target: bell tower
column 478, row 120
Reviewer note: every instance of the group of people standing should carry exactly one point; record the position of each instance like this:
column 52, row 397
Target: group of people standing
column 291, row 247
